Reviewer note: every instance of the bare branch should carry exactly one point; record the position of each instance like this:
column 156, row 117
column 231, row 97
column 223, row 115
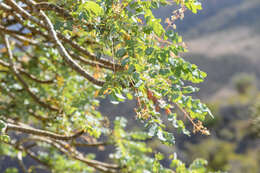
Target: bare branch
column 19, row 19
column 34, row 78
column 20, row 161
column 90, row 63
column 38, row 132
column 8, row 31
column 71, row 152
column 23, row 13
column 91, row 56
column 97, row 144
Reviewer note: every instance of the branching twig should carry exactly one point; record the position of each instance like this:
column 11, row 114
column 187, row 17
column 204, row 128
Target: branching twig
column 73, row 153
column 74, row 65
column 91, row 63
column 22, row 71
column 52, row 7
column 20, row 161
column 79, row 48
column 30, row 153
column 24, row 84
column 197, row 126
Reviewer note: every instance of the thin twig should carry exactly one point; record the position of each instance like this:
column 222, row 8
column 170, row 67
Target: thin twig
column 8, row 31
column 90, row 144
column 20, row 161
column 52, row 7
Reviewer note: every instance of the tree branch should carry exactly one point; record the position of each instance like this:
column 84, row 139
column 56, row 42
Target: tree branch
column 73, row 153
column 91, row 56
column 30, row 153
column 8, row 31
column 22, row 71
column 52, row 7
column 37, row 132
column 90, row 144
column 74, row 65
column 20, row 161
column 20, row 79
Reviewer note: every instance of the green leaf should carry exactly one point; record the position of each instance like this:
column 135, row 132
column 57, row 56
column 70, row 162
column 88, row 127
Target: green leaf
column 160, row 135
column 153, row 130
column 4, row 138
column 120, row 97
column 58, row 25
column 121, row 52
column 2, row 125
column 11, row 170
column 149, row 50
column 92, row 7
column 129, row 96
column 159, row 156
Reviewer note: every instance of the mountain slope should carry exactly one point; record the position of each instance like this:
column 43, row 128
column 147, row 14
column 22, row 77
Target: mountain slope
column 232, row 31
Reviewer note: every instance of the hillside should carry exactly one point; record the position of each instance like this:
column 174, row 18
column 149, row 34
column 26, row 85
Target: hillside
column 226, row 43
column 223, row 40
column 232, row 30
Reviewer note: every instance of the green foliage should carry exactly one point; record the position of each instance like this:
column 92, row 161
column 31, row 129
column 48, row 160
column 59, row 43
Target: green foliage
column 11, row 170
column 255, row 119
column 97, row 49
column 221, row 155
column 243, row 82
column 234, row 147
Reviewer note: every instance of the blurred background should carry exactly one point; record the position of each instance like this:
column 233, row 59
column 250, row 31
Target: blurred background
column 223, row 40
